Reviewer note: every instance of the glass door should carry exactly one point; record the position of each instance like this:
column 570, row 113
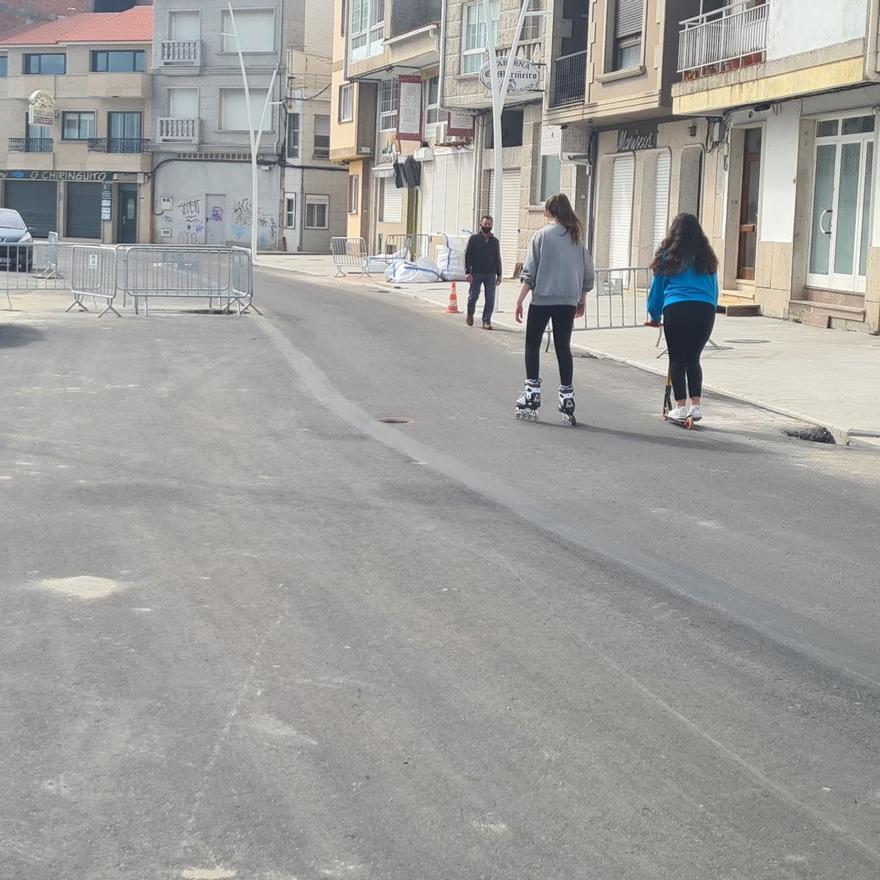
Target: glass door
column 748, row 206
column 841, row 215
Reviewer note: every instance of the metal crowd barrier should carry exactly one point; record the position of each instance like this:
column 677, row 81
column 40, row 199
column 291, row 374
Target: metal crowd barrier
column 618, row 299
column 349, row 253
column 181, row 272
column 406, row 246
column 140, row 272
column 34, row 265
column 93, row 274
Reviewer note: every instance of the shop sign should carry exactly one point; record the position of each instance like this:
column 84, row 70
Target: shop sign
column 633, row 140
column 75, row 176
column 41, row 108
column 409, row 109
column 460, row 124
column 524, row 75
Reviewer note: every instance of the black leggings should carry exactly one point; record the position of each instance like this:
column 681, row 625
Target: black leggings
column 536, row 324
column 688, row 326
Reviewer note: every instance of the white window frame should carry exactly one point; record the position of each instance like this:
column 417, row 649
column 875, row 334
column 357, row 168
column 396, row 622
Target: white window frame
column 630, row 41
column 320, row 152
column 227, row 43
column 542, row 196
column 290, row 210
column 432, row 111
column 354, row 192
column 294, row 117
column 175, row 13
column 474, row 35
column 388, row 117
column 168, row 100
column 346, row 102
column 533, row 26
column 257, row 98
column 368, row 39
column 315, row 200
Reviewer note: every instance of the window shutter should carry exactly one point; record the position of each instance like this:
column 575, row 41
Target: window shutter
column 661, row 198
column 622, row 179
column 629, row 18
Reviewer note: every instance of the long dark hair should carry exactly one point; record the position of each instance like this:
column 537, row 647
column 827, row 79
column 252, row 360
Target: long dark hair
column 685, row 247
column 560, row 209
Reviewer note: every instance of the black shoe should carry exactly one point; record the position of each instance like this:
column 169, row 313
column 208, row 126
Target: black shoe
column 470, row 320
column 487, row 325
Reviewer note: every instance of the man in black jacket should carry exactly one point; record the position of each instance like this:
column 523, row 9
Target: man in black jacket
column 482, row 263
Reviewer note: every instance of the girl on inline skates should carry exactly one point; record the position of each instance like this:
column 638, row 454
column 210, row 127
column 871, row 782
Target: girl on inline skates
column 558, row 272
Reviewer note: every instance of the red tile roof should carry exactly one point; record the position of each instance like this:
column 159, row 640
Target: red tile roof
column 135, row 25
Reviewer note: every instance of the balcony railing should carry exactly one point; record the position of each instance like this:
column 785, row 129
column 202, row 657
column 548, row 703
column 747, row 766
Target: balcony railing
column 737, row 32
column 118, row 145
column 569, row 79
column 183, row 52
column 321, row 153
column 30, row 145
column 180, row 131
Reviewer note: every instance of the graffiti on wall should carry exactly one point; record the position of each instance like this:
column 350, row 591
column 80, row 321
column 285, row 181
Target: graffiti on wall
column 193, row 227
column 267, row 226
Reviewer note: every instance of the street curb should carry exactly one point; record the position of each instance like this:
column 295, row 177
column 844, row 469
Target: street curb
column 841, row 436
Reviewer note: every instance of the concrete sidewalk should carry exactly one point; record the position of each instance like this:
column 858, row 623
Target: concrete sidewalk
column 824, row 377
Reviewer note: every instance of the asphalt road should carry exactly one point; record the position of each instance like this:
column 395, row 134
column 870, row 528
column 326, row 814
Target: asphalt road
column 248, row 630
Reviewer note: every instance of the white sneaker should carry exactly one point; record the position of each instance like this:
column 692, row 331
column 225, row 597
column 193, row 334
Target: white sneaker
column 678, row 414
column 696, row 413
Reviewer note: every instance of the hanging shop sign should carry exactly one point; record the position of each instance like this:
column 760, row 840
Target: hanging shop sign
column 76, row 176
column 633, row 140
column 524, row 77
column 461, row 124
column 409, row 109
column 41, row 108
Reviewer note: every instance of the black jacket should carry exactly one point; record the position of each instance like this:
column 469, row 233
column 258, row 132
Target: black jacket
column 483, row 256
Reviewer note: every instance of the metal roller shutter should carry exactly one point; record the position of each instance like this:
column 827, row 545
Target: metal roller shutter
column 37, row 202
column 392, row 202
column 661, row 198
column 83, row 210
column 508, row 229
column 622, row 177
column 629, row 18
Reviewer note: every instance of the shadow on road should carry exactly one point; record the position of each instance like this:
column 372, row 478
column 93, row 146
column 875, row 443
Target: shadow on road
column 16, row 335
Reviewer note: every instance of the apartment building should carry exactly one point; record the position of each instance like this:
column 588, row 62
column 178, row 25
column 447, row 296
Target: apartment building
column 531, row 164
column 202, row 176
column 315, row 189
column 793, row 89
column 386, row 116
column 75, row 111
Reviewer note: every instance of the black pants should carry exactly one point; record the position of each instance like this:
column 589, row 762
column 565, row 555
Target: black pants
column 536, row 324
column 688, row 326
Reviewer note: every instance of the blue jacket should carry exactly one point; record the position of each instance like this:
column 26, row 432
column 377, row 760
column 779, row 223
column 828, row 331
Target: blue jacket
column 687, row 286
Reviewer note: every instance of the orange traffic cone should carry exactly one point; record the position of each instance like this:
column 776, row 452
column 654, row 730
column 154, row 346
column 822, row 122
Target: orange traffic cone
column 452, row 308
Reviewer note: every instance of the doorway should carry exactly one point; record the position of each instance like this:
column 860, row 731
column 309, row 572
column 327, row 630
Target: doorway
column 126, row 218
column 841, row 214
column 215, row 220
column 748, row 205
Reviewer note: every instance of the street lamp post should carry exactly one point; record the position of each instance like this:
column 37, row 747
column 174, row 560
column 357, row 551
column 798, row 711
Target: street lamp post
column 254, row 134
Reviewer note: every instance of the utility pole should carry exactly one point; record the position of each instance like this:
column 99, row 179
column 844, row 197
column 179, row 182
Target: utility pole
column 255, row 135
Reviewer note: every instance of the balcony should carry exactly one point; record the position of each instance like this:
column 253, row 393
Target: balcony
column 729, row 38
column 30, row 145
column 321, row 153
column 177, row 131
column 569, row 79
column 118, row 145
column 180, row 53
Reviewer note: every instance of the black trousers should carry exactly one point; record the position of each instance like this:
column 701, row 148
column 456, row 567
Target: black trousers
column 536, row 324
column 688, row 326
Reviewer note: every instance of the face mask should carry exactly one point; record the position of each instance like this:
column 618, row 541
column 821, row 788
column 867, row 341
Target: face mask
column 486, row 229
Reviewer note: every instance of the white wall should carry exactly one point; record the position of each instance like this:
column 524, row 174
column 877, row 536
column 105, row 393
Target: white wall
column 779, row 167
column 796, row 26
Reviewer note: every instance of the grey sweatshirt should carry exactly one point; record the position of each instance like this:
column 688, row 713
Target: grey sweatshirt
column 557, row 270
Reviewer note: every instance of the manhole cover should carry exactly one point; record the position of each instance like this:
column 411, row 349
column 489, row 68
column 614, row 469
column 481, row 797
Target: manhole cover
column 747, row 341
column 395, row 420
